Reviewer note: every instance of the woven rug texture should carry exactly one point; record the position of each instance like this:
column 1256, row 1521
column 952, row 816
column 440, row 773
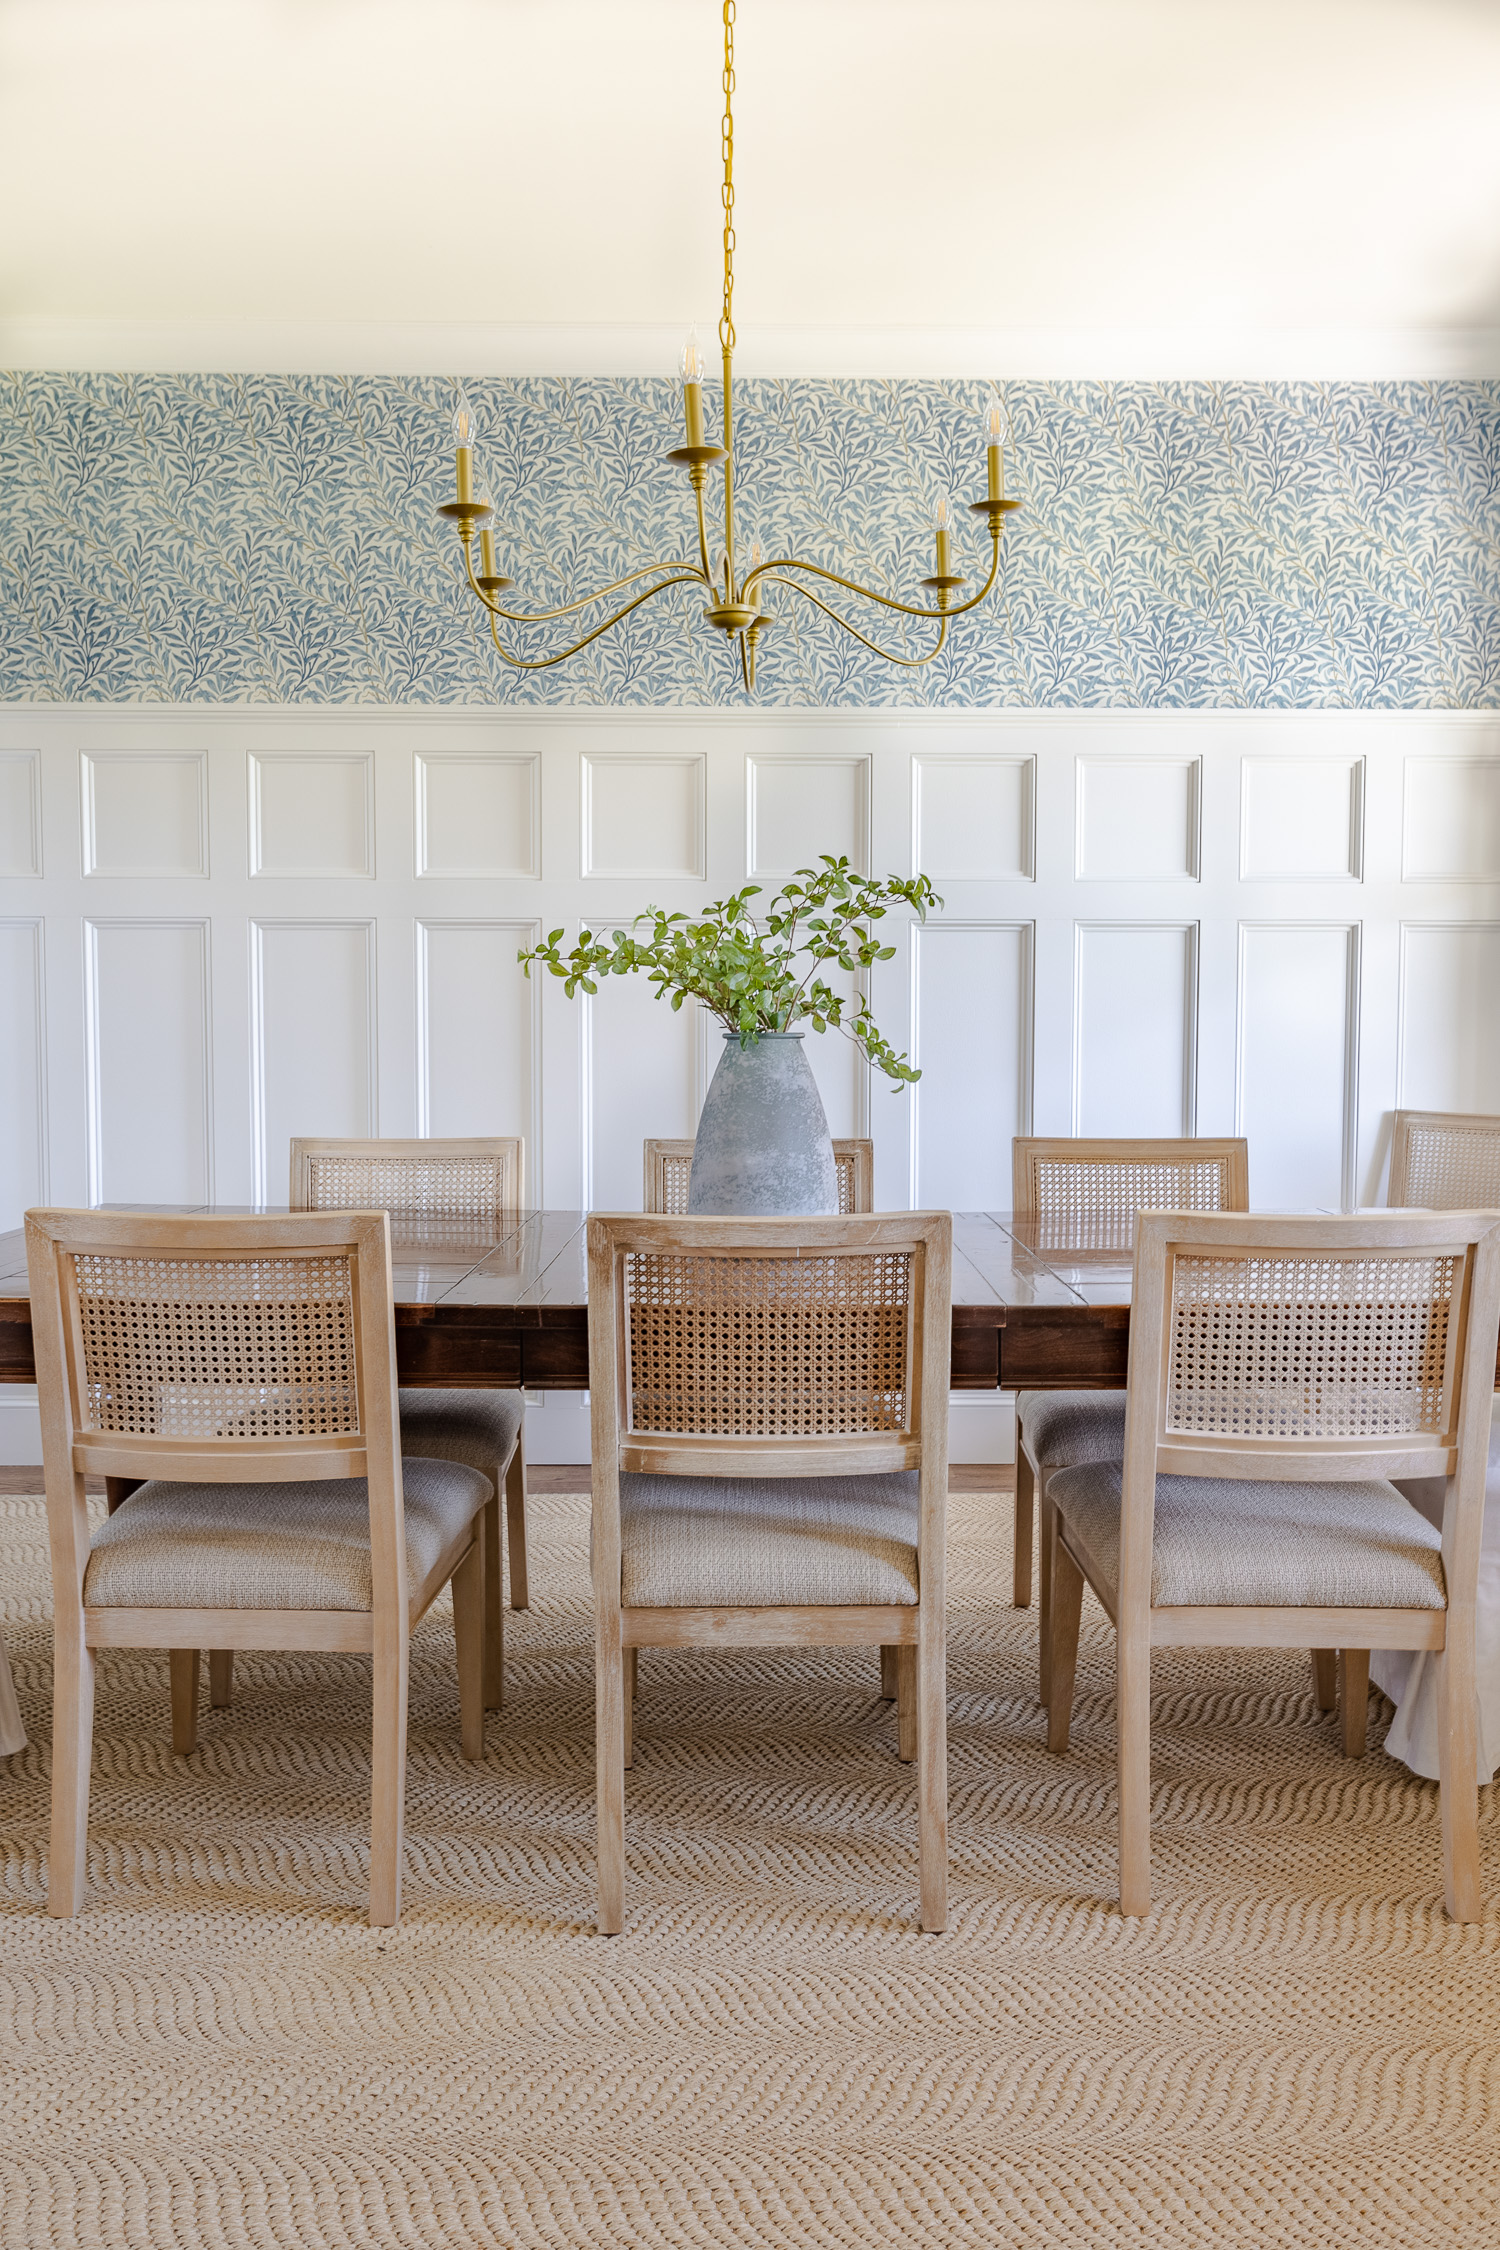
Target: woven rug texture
column 1296, row 2048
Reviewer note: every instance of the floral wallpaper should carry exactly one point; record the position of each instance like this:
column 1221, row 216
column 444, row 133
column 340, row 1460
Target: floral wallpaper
column 226, row 538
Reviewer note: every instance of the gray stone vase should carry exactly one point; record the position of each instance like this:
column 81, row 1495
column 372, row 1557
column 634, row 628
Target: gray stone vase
column 763, row 1149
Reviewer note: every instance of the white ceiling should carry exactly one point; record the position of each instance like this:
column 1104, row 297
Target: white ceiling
column 923, row 185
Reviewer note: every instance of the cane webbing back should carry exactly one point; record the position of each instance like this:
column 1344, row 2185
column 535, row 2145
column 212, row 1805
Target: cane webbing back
column 410, row 1179
column 669, row 1165
column 811, row 1346
column 1445, row 1163
column 1320, row 1345
column 205, row 1348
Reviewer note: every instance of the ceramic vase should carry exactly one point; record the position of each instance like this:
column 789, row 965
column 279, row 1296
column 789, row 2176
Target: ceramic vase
column 763, row 1149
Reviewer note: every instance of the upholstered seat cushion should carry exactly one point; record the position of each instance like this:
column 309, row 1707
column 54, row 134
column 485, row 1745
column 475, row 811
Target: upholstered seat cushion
column 1226, row 1542
column 476, row 1427
column 270, row 1546
column 702, row 1542
column 1061, row 1427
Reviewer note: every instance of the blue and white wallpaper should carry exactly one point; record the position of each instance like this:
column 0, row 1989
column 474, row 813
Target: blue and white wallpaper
column 224, row 538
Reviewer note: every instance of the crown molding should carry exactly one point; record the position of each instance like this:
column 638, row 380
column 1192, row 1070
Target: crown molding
column 354, row 347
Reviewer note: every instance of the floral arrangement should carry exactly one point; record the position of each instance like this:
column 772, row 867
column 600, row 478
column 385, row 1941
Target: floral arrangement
column 760, row 973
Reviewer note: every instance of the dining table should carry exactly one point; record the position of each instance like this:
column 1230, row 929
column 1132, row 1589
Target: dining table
column 504, row 1304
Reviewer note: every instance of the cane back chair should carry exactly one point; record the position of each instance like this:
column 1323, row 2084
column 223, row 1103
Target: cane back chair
column 669, row 1163
column 1444, row 1161
column 1282, row 1371
column 1078, row 1196
column 769, row 1414
column 245, row 1369
column 447, row 1189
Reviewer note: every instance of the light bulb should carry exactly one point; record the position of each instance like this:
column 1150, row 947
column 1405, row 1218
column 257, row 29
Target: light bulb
column 996, row 427
column 691, row 364
column 941, row 519
column 755, row 555
column 463, row 422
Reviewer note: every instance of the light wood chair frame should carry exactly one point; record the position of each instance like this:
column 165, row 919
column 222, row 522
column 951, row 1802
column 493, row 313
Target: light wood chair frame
column 72, row 1451
column 1458, row 1452
column 507, row 1153
column 1028, row 1151
column 853, row 1159
column 1408, row 1122
column 916, row 1631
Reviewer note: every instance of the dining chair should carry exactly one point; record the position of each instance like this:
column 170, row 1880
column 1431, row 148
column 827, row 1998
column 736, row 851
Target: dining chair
column 1442, row 1160
column 245, row 1370
column 1079, row 1195
column 12, row 1728
column 668, row 1164
column 443, row 1184
column 769, row 1417
column 1282, row 1371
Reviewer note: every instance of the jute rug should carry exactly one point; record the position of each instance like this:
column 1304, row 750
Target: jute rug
column 1295, row 2049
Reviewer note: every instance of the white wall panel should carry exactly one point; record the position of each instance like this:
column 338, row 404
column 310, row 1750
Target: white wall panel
column 1450, row 829
column 1135, row 1027
column 23, row 1079
column 312, row 1038
column 478, row 813
column 800, row 806
column 971, row 1010
column 645, row 816
column 144, row 812
column 1137, row 819
column 1298, row 1058
column 643, row 1069
column 478, row 1027
column 973, row 818
column 312, row 813
column 1301, row 820
column 20, row 812
column 1450, row 1017
column 149, row 1061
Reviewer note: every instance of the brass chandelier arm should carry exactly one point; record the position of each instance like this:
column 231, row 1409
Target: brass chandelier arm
column 599, row 594
column 686, row 577
column 852, row 586
column 910, row 662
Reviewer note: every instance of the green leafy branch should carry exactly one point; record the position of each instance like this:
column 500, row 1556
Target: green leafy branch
column 759, row 973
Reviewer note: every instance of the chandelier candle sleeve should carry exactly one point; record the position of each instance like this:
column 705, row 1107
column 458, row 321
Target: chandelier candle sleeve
column 995, row 451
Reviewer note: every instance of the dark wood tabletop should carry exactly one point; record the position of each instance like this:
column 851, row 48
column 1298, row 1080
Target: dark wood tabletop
column 507, row 1306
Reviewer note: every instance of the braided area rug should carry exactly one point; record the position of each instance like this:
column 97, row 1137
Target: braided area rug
column 1296, row 2048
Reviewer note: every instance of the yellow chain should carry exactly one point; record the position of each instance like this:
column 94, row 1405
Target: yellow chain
column 726, row 321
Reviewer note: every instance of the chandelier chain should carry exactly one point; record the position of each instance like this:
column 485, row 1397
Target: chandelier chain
column 726, row 134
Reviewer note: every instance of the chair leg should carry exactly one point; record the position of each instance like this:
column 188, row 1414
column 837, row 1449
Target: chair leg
column 888, row 1672
column 609, row 1756
column 468, row 1637
column 1047, row 1536
column 1354, row 1698
column 632, row 1673
column 1025, row 1514
column 932, row 1776
column 1458, row 1773
column 906, row 1702
column 388, row 1779
column 72, row 1755
column 186, row 1670
column 220, row 1678
column 1133, row 1722
column 515, row 1519
column 627, row 1703
column 1067, row 1610
column 1325, row 1678
column 494, row 1607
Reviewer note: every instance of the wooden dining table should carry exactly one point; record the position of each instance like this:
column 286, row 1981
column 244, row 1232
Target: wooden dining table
column 506, row 1306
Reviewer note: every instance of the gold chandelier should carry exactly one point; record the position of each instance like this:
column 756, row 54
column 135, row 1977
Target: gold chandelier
column 734, row 600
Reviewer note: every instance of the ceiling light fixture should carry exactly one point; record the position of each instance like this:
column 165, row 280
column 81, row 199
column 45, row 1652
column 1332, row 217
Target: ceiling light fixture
column 734, row 602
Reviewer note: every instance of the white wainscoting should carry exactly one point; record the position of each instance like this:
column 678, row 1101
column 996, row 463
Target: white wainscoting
column 220, row 927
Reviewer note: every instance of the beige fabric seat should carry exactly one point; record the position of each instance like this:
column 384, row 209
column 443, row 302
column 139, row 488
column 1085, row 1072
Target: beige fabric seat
column 768, row 1542
column 1062, row 1428
column 271, row 1546
column 1227, row 1542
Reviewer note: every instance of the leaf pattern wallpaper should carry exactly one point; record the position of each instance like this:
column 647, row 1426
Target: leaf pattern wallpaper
column 227, row 538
